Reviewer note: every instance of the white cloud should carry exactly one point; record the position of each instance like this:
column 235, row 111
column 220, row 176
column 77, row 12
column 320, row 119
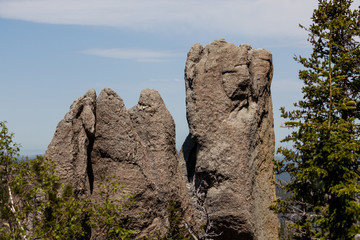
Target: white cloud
column 140, row 55
column 250, row 17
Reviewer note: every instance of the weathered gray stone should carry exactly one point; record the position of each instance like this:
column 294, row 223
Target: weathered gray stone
column 99, row 137
column 225, row 170
column 228, row 155
column 156, row 129
column 119, row 153
column 72, row 143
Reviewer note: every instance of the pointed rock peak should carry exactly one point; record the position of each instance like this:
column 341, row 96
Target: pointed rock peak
column 150, row 98
column 87, row 102
column 195, row 53
column 109, row 99
column 91, row 93
column 156, row 129
column 108, row 92
column 149, row 94
column 72, row 143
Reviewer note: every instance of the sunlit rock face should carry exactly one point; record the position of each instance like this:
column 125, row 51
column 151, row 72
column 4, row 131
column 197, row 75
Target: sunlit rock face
column 99, row 137
column 72, row 143
column 227, row 157
column 224, row 170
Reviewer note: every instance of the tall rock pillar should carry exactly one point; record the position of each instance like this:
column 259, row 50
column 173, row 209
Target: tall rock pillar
column 227, row 157
column 72, row 144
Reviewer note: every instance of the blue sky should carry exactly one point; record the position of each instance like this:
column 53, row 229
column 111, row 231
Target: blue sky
column 53, row 51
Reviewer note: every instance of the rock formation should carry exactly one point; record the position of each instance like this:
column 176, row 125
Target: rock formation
column 136, row 148
column 72, row 143
column 118, row 153
column 227, row 158
column 224, row 170
column 156, row 129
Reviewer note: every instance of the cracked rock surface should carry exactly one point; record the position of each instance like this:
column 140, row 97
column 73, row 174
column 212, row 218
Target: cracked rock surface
column 227, row 157
column 224, row 170
column 72, row 143
column 100, row 138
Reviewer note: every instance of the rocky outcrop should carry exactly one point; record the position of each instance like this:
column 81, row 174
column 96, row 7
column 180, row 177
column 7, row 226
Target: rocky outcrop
column 224, row 170
column 119, row 154
column 100, row 138
column 227, row 158
column 72, row 143
column 156, row 128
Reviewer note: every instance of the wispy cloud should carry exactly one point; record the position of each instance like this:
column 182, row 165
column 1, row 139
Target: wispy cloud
column 249, row 17
column 140, row 55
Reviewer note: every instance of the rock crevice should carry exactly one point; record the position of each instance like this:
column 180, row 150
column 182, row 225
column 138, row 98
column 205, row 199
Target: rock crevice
column 229, row 112
column 223, row 172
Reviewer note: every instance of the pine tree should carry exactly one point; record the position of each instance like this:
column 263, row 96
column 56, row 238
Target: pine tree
column 34, row 204
column 323, row 161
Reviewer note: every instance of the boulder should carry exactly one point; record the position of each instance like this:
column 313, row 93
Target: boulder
column 227, row 159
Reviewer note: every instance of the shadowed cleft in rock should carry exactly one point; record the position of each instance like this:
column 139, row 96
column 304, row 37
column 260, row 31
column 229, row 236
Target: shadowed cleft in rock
column 228, row 154
column 224, row 172
column 136, row 147
column 72, row 143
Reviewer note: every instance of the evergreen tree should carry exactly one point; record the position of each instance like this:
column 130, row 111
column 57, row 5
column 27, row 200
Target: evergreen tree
column 323, row 162
column 34, row 204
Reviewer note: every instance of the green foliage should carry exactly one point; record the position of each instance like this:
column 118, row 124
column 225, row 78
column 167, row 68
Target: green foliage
column 176, row 229
column 35, row 205
column 324, row 160
column 32, row 206
column 285, row 231
column 107, row 220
